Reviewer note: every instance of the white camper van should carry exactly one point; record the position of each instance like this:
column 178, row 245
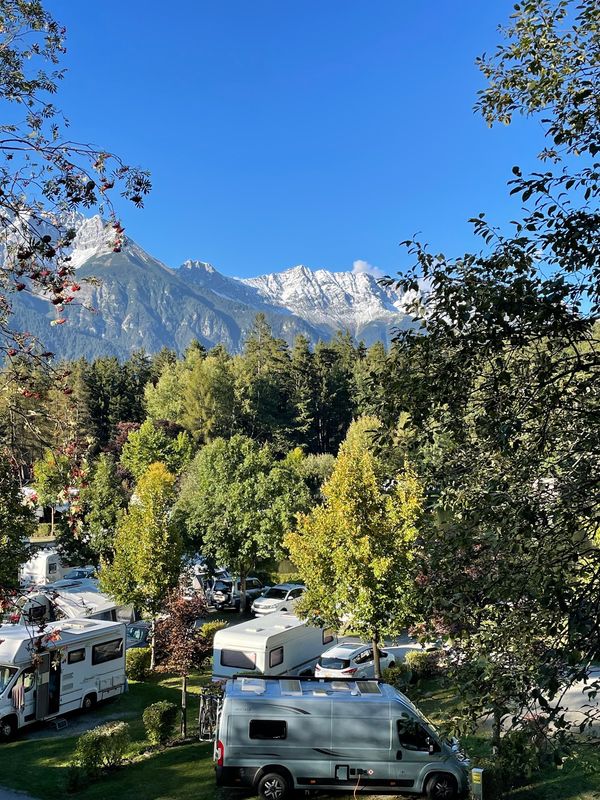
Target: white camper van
column 43, row 567
column 276, row 644
column 72, row 665
column 277, row 735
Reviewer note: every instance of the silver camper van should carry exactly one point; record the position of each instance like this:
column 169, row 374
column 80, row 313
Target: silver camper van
column 278, row 735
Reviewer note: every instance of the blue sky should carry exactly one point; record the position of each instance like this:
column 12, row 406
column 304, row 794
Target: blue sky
column 281, row 132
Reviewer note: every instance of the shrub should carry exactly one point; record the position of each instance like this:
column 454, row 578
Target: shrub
column 425, row 663
column 138, row 663
column 398, row 676
column 159, row 721
column 101, row 748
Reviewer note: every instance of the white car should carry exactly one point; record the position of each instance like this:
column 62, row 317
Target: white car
column 282, row 597
column 351, row 660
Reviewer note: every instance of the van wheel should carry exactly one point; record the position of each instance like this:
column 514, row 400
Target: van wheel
column 273, row 786
column 441, row 787
column 8, row 728
column 89, row 701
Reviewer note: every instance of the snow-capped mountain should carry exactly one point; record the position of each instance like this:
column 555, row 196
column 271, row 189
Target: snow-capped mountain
column 137, row 302
column 341, row 299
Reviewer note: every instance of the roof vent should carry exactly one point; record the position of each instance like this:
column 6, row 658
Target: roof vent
column 255, row 685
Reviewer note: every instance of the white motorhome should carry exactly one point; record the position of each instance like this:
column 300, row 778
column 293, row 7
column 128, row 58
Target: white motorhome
column 71, row 665
column 277, row 735
column 43, row 567
column 276, row 644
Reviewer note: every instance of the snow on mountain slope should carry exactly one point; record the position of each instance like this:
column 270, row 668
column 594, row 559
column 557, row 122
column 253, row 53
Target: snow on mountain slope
column 340, row 299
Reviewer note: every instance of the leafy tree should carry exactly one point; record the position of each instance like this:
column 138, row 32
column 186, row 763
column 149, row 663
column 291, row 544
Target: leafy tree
column 17, row 524
column 180, row 642
column 165, row 399
column 500, row 384
column 237, row 501
column 210, row 408
column 152, row 443
column 44, row 174
column 52, row 481
column 354, row 551
column 104, row 500
column 147, row 548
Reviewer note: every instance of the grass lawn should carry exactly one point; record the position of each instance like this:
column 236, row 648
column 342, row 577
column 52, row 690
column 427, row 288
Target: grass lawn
column 38, row 763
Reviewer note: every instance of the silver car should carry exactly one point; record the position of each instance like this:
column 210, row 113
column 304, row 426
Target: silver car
column 282, row 597
column 351, row 660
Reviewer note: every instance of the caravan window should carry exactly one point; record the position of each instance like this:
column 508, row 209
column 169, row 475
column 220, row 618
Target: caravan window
column 267, row 729
column 238, row 659
column 52, row 567
column 276, row 657
column 75, row 656
column 327, row 635
column 107, row 651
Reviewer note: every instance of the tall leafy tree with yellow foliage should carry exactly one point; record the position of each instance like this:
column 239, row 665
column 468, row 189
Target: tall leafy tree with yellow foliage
column 354, row 551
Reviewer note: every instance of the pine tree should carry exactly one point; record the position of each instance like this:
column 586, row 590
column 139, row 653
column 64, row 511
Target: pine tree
column 17, row 524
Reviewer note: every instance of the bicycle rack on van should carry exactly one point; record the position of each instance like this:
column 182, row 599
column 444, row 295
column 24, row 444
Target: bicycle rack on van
column 211, row 703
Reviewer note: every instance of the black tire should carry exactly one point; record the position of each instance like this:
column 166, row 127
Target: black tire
column 441, row 787
column 273, row 786
column 89, row 701
column 8, row 728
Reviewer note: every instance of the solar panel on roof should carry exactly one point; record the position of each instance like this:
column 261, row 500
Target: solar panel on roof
column 368, row 687
column 290, row 687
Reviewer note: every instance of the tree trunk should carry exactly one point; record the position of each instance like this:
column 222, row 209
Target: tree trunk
column 184, row 707
column 152, row 649
column 376, row 664
column 52, row 520
column 496, row 728
column 242, row 593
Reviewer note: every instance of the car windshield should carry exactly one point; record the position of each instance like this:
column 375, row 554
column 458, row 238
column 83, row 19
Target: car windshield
column 334, row 663
column 136, row 633
column 222, row 586
column 6, row 673
column 276, row 594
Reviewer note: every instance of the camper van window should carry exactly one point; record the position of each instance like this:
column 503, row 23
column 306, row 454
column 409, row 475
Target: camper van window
column 267, row 729
column 238, row 659
column 412, row 736
column 75, row 656
column 52, row 567
column 276, row 657
column 327, row 635
column 6, row 674
column 107, row 651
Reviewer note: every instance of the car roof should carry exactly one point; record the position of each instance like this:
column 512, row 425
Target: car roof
column 344, row 649
column 289, row 586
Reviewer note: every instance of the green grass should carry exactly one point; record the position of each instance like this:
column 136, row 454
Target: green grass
column 186, row 772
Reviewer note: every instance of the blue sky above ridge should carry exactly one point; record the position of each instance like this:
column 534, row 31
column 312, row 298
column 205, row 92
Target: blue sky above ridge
column 285, row 133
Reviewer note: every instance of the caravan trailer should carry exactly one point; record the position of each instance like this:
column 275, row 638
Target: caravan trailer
column 277, row 735
column 276, row 644
column 43, row 567
column 71, row 665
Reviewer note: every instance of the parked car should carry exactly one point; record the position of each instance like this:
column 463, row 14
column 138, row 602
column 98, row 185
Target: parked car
column 226, row 592
column 351, row 660
column 282, row 597
column 138, row 634
column 79, row 573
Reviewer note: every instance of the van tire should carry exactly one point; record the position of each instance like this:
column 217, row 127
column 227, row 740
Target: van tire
column 441, row 786
column 8, row 728
column 273, row 786
column 89, row 701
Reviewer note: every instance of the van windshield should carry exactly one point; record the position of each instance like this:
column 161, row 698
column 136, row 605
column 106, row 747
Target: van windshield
column 334, row 663
column 222, row 586
column 6, row 674
column 276, row 594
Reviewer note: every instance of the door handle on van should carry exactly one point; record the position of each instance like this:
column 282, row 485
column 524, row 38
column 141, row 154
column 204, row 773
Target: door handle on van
column 398, row 755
